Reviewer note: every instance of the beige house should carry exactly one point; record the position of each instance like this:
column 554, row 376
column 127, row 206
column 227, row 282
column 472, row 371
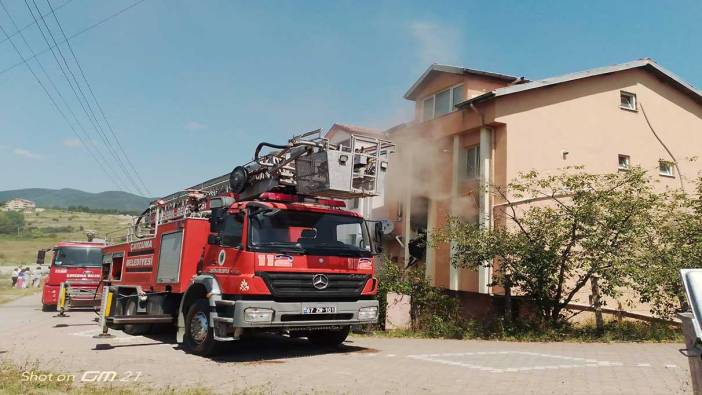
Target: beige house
column 19, row 205
column 474, row 128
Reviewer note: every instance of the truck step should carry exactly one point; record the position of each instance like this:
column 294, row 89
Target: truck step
column 224, row 319
column 226, row 302
column 141, row 319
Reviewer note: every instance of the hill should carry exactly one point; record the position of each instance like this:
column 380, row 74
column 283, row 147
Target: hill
column 64, row 198
column 44, row 229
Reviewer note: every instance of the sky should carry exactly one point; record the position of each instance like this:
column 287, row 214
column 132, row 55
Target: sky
column 189, row 88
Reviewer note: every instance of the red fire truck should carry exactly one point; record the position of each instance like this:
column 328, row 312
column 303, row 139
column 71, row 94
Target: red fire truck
column 75, row 264
column 265, row 248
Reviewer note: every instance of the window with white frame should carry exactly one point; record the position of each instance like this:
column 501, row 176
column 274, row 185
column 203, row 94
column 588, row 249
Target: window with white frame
column 624, row 162
column 665, row 168
column 428, row 109
column 473, row 162
column 442, row 102
column 627, row 100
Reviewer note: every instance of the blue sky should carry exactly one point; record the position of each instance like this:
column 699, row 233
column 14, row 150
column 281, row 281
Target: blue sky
column 190, row 87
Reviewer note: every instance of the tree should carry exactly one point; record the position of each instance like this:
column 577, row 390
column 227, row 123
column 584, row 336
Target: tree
column 554, row 233
column 673, row 242
column 10, row 221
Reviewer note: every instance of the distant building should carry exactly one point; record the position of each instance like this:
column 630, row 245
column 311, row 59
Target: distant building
column 19, row 205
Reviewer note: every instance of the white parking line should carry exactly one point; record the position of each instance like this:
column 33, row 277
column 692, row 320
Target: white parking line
column 578, row 362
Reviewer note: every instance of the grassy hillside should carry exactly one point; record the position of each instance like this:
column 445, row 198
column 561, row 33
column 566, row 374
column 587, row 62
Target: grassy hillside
column 44, row 229
column 64, row 198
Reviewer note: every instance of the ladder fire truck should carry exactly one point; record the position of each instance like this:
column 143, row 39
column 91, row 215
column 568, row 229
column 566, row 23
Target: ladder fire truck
column 268, row 247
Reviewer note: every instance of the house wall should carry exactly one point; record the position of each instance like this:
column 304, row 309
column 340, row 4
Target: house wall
column 584, row 118
column 529, row 131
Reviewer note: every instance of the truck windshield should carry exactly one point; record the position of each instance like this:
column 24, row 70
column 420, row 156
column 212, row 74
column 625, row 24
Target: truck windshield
column 309, row 232
column 77, row 256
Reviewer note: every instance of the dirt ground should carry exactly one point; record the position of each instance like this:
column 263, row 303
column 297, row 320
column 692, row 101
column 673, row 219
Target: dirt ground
column 368, row 365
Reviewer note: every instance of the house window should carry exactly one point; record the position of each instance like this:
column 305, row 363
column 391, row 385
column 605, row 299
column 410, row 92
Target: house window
column 665, row 168
column 428, row 109
column 627, row 101
column 473, row 162
column 624, row 162
column 442, row 103
column 456, row 95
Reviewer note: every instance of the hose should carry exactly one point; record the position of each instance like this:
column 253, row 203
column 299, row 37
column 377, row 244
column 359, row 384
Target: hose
column 136, row 224
column 264, row 144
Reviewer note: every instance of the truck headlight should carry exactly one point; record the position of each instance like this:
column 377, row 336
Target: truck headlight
column 255, row 314
column 368, row 313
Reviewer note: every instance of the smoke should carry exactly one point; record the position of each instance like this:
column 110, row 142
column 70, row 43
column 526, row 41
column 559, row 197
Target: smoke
column 422, row 167
column 435, row 43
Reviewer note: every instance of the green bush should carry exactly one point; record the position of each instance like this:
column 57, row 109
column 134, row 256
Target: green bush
column 433, row 313
column 10, row 221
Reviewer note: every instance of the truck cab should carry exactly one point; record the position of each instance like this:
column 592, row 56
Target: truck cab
column 75, row 263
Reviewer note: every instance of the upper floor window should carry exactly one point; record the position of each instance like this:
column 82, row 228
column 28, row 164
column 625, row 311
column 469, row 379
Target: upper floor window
column 624, row 162
column 473, row 162
column 627, row 100
column 442, row 103
column 665, row 168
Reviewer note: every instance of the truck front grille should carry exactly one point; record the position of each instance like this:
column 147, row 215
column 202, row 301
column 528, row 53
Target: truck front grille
column 300, row 285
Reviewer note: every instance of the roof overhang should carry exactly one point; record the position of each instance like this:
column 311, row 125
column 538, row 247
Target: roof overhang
column 647, row 64
column 441, row 68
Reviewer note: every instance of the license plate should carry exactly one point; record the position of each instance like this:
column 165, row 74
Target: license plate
column 319, row 310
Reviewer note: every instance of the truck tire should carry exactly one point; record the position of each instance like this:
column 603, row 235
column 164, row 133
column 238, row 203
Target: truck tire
column 199, row 335
column 48, row 307
column 134, row 329
column 328, row 338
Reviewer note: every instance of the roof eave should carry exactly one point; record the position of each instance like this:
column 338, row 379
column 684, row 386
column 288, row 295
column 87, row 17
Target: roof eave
column 411, row 92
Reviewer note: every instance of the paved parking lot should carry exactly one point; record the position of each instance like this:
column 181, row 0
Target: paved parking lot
column 368, row 365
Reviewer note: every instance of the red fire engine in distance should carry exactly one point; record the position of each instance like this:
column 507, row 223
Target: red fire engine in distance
column 76, row 263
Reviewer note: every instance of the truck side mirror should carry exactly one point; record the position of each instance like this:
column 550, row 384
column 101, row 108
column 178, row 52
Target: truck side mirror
column 41, row 257
column 378, row 238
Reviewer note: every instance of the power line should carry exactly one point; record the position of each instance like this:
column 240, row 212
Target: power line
column 97, row 103
column 18, row 30
column 78, row 92
column 76, row 34
column 68, row 107
column 53, row 101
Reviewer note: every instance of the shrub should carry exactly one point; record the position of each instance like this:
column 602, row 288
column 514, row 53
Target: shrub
column 433, row 313
column 10, row 221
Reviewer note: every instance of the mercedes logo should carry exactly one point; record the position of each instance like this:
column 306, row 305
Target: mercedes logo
column 320, row 281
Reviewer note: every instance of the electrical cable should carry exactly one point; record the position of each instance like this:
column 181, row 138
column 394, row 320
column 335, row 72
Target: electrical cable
column 53, row 101
column 78, row 92
column 97, row 103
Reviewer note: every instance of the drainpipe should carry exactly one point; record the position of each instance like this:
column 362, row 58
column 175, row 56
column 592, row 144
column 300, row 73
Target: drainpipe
column 484, row 202
column 407, row 213
column 454, row 272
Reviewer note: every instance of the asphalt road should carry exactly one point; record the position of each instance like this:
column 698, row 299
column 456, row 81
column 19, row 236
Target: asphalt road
column 367, row 365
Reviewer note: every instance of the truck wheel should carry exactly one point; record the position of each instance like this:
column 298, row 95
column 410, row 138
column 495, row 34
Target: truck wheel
column 48, row 307
column 199, row 336
column 328, row 338
column 134, row 329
